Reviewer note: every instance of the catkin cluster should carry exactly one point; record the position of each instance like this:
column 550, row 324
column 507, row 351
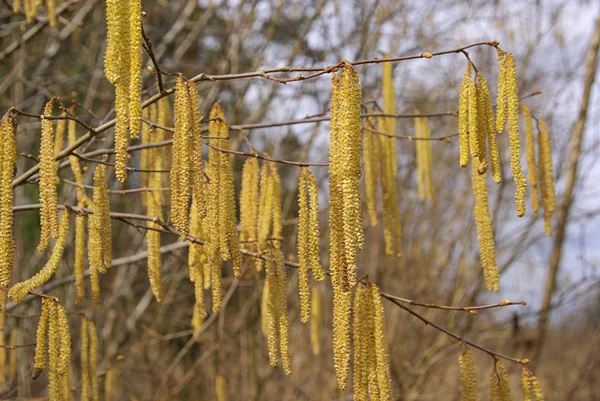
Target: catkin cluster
column 508, row 109
column 89, row 361
column 223, row 242
column 308, row 239
column 276, row 317
column 499, row 386
column 123, row 68
column 8, row 158
column 476, row 125
column 467, row 376
column 424, row 161
column 99, row 231
column 532, row 391
column 48, row 172
column 19, row 291
column 53, row 337
column 371, row 376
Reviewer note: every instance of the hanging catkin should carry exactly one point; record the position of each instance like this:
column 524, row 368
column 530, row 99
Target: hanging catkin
column 314, row 233
column 48, row 170
column 508, row 109
column 93, row 360
column 467, row 375
column 197, row 258
column 389, row 107
column 315, row 322
column 485, row 233
column 383, row 357
column 135, row 65
column 371, row 155
column 530, row 157
column 53, row 353
column 344, row 173
column 85, row 359
column 39, row 362
column 303, row 247
column 365, row 359
column 392, row 229
column 424, row 160
column 7, row 162
column 546, row 175
column 99, row 225
column 475, row 127
column 196, row 148
column 19, row 291
column 249, row 208
column 64, row 356
column 51, row 7
column 487, row 114
column 463, row 117
column 180, row 169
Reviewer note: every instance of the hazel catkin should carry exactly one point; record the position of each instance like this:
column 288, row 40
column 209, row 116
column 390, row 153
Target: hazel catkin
column 371, row 155
column 48, row 170
column 467, row 375
column 19, row 291
column 463, row 117
column 39, row 362
column 85, row 359
column 135, row 65
column 488, row 116
column 99, row 225
column 546, row 175
column 8, row 159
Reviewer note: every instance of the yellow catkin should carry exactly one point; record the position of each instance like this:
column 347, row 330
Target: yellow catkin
column 99, row 226
column 365, row 358
column 546, row 175
column 249, row 207
column 59, row 136
column 501, row 103
column 382, row 354
column 482, row 123
column 95, row 286
column 12, row 358
column 314, row 233
column 93, row 360
column 48, row 170
column 30, row 10
column 221, row 202
column 265, row 211
column 53, row 353
column 315, row 323
column 16, row 6
column 424, row 160
column 371, row 155
column 79, row 219
column 503, row 384
column 7, row 162
column 392, row 229
column 110, row 390
column 39, row 362
column 536, row 389
column 64, row 358
column 66, row 392
column 19, row 291
column 85, row 360
column 486, row 107
column 135, row 64
column 117, row 68
column 474, row 126
column 467, row 375
column 530, row 157
column 265, row 313
column 485, row 233
column 196, row 260
column 196, row 148
column 220, row 388
column 463, row 117
column 272, row 307
column 180, row 169
column 303, row 248
column 51, row 7
column 512, row 94
column 350, row 168
column 389, row 107
column 282, row 317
